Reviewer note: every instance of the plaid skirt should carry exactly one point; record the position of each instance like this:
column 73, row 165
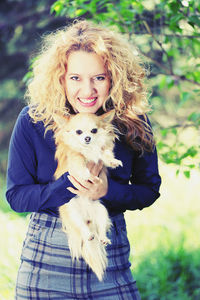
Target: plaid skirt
column 48, row 272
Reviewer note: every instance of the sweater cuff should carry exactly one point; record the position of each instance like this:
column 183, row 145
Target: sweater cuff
column 58, row 190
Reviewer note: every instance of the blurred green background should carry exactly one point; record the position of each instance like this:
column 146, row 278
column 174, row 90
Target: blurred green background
column 165, row 246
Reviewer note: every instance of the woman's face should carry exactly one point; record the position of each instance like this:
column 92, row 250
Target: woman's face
column 86, row 81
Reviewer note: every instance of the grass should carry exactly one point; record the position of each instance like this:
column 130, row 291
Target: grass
column 12, row 232
column 169, row 275
column 165, row 244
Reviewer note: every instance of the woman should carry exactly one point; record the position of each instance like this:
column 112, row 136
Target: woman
column 82, row 68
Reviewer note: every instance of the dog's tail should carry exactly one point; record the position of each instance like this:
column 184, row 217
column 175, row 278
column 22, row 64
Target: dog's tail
column 94, row 253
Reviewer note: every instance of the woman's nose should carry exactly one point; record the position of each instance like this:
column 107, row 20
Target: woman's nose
column 87, row 88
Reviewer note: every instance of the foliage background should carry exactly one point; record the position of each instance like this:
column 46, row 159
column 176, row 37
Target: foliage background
column 167, row 35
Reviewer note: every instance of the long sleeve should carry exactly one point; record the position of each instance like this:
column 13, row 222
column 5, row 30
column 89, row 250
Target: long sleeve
column 141, row 190
column 31, row 165
column 37, row 197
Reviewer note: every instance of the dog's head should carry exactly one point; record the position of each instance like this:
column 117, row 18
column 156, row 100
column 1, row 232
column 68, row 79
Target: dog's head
column 85, row 129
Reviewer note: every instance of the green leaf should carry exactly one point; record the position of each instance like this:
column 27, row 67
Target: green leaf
column 170, row 81
column 194, row 116
column 192, row 151
column 174, row 6
column 162, row 82
column 57, row 7
column 27, row 77
column 191, row 166
column 187, row 174
column 161, row 145
column 71, row 11
column 164, row 132
column 194, row 20
column 184, row 97
column 171, row 157
column 174, row 131
column 157, row 16
column 80, row 12
column 176, row 18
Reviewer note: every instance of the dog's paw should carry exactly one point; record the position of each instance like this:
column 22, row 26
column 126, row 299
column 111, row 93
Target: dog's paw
column 116, row 163
column 91, row 237
column 105, row 241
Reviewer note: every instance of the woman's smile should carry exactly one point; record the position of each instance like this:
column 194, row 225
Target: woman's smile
column 87, row 102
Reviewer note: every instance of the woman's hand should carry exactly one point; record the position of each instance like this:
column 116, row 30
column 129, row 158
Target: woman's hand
column 95, row 187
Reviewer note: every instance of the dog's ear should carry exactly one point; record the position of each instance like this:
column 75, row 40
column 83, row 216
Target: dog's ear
column 108, row 116
column 60, row 120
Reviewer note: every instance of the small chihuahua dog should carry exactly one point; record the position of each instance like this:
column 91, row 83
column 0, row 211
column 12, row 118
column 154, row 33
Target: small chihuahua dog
column 80, row 139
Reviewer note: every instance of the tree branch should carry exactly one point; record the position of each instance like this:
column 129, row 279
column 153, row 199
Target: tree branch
column 160, row 44
column 167, row 71
column 183, row 126
column 183, row 78
column 155, row 62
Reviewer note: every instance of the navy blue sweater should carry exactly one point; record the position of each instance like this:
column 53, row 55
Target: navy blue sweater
column 31, row 165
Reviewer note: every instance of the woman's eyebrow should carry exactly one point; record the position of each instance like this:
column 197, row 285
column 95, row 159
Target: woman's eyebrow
column 72, row 74
column 98, row 74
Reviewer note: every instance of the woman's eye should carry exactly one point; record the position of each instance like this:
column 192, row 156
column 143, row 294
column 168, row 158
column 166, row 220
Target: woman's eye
column 74, row 78
column 100, row 78
column 94, row 130
column 79, row 131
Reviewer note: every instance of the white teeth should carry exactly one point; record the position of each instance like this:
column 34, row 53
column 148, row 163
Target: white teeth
column 87, row 100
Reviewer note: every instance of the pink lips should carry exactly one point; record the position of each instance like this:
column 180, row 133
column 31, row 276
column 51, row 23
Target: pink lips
column 85, row 104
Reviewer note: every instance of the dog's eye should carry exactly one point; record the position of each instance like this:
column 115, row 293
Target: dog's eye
column 94, row 130
column 79, row 131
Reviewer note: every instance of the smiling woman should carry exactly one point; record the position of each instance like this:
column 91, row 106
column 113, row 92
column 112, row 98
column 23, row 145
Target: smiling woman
column 83, row 68
column 86, row 81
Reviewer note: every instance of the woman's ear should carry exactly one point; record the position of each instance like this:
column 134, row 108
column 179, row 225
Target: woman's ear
column 108, row 116
column 62, row 80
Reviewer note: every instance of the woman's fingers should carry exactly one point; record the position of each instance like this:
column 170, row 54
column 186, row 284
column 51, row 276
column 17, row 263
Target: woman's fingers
column 92, row 190
column 94, row 171
column 78, row 185
column 84, row 185
column 94, row 180
column 94, row 187
column 72, row 190
column 90, row 165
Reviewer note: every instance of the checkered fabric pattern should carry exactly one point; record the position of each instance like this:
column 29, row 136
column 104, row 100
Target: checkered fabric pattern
column 48, row 272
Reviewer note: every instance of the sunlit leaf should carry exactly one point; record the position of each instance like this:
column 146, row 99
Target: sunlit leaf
column 185, row 96
column 194, row 116
column 164, row 132
column 174, row 131
column 194, row 20
column 191, row 166
column 187, row 174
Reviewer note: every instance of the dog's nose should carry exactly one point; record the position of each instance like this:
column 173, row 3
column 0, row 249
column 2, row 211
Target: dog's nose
column 87, row 139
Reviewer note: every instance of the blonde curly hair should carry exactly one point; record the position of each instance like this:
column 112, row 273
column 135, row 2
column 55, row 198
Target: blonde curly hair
column 128, row 94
